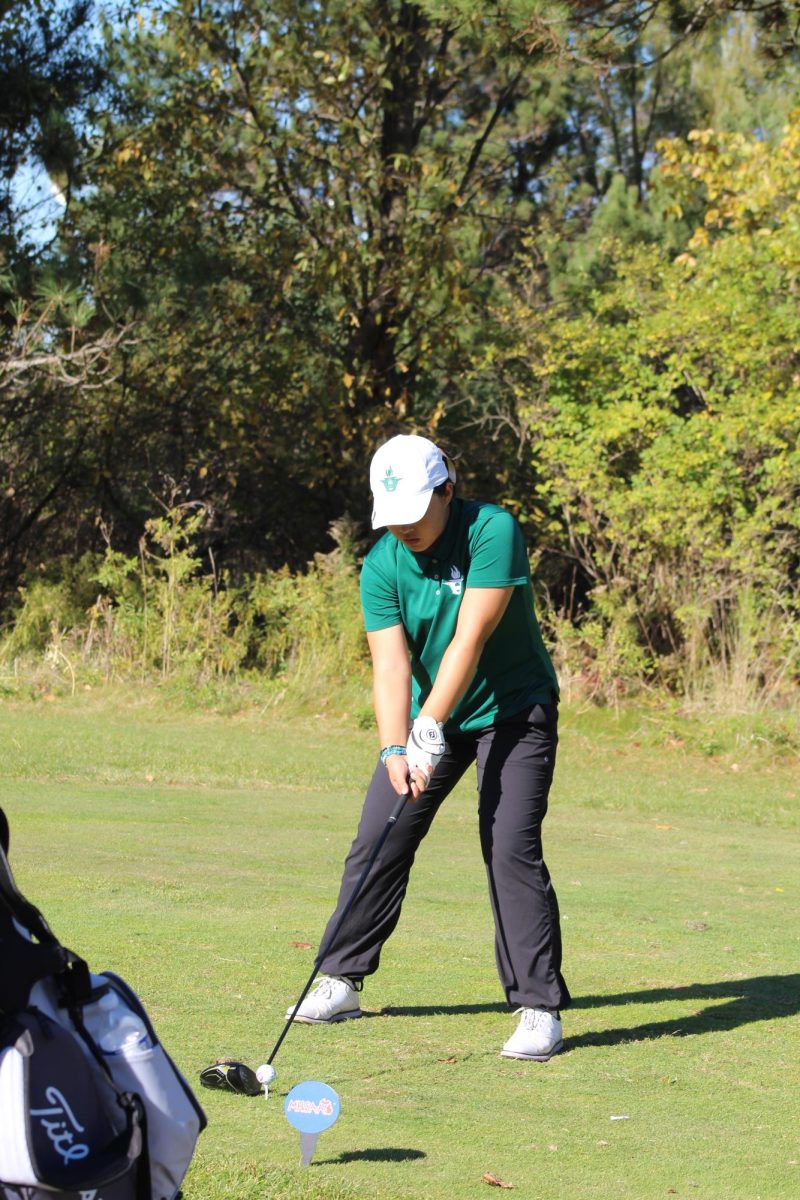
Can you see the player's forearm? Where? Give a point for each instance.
(454, 676)
(391, 694)
(480, 614)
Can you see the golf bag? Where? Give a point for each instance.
(91, 1105)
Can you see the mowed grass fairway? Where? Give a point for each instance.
(198, 856)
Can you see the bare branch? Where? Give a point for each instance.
(86, 366)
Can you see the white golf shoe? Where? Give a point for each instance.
(537, 1037)
(333, 999)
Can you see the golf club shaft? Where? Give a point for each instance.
(376, 849)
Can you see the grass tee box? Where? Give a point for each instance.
(199, 856)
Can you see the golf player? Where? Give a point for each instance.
(460, 675)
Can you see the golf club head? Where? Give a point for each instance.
(228, 1075)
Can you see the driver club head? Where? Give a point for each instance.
(229, 1075)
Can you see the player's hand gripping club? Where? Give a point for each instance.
(424, 749)
(411, 766)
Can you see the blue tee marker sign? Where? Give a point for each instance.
(311, 1107)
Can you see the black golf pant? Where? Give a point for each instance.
(515, 761)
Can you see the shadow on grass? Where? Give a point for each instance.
(385, 1154)
(437, 1010)
(763, 998)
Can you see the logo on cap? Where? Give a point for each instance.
(391, 480)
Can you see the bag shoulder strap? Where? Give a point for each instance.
(26, 913)
(74, 976)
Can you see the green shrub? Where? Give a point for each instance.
(157, 617)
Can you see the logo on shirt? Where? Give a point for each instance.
(390, 481)
(454, 582)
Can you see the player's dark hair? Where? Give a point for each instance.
(441, 488)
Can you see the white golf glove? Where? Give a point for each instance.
(425, 746)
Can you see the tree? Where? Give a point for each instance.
(54, 351)
(664, 424)
(47, 76)
(307, 211)
(301, 205)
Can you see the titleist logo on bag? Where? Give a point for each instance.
(65, 1124)
(61, 1126)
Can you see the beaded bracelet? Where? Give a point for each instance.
(388, 751)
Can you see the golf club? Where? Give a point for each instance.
(266, 1073)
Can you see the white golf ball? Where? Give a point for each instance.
(266, 1073)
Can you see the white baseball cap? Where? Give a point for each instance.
(402, 475)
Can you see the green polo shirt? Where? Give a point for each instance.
(481, 546)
